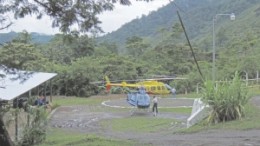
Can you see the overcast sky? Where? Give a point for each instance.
(110, 20)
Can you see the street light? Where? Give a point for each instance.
(232, 17)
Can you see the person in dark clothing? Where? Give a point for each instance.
(40, 101)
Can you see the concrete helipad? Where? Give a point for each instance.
(162, 103)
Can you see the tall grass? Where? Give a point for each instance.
(227, 99)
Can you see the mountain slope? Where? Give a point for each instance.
(36, 37)
(196, 14)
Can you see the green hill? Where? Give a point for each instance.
(36, 37)
(197, 16)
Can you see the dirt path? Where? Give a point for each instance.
(85, 119)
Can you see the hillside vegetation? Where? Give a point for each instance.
(197, 16)
(36, 37)
(148, 46)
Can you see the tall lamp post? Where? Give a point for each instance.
(232, 17)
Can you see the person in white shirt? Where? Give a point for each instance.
(155, 105)
(173, 90)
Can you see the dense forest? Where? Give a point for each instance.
(36, 37)
(147, 46)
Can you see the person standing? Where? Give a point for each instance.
(155, 105)
(173, 90)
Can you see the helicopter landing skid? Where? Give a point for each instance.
(134, 109)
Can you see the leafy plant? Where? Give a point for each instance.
(227, 99)
(35, 131)
(116, 90)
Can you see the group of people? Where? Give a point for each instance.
(41, 100)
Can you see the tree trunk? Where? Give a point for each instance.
(5, 139)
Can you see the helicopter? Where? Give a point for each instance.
(151, 86)
(140, 97)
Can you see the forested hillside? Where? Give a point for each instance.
(152, 45)
(36, 37)
(197, 16)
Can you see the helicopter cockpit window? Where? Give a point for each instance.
(163, 88)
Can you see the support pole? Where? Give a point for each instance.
(246, 79)
(28, 113)
(197, 88)
(213, 53)
(51, 90)
(16, 120)
(257, 76)
(193, 54)
(45, 86)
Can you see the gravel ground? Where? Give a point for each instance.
(85, 119)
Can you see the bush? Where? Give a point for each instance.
(35, 131)
(116, 90)
(227, 99)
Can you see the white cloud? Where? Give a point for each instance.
(31, 24)
(110, 20)
(123, 14)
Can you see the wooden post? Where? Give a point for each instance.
(197, 88)
(246, 79)
(257, 76)
(28, 113)
(38, 90)
(45, 85)
(16, 120)
(51, 90)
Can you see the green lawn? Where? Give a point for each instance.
(250, 121)
(176, 110)
(65, 101)
(138, 124)
(58, 137)
(141, 124)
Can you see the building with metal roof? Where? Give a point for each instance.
(12, 85)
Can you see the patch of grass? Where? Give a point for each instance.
(190, 95)
(57, 137)
(176, 110)
(138, 124)
(65, 101)
(250, 121)
(254, 90)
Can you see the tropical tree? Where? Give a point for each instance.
(65, 14)
(58, 50)
(21, 54)
(112, 47)
(18, 54)
(136, 46)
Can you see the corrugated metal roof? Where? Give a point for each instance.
(11, 88)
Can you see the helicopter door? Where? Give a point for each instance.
(158, 89)
(163, 89)
(148, 88)
(153, 89)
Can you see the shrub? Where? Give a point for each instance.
(227, 99)
(116, 90)
(35, 131)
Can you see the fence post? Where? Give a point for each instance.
(257, 76)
